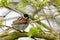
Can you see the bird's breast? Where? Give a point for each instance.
(21, 26)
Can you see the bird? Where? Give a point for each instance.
(21, 23)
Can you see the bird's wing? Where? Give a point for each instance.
(20, 20)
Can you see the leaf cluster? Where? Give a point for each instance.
(33, 2)
(3, 3)
(35, 30)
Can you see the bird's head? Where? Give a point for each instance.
(26, 16)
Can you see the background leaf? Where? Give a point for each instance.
(40, 4)
(35, 30)
(58, 2)
(3, 3)
(1, 23)
(22, 5)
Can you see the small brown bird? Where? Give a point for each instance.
(22, 22)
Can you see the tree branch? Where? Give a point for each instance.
(16, 35)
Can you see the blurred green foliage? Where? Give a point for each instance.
(33, 2)
(58, 2)
(22, 5)
(41, 4)
(1, 23)
(3, 3)
(35, 30)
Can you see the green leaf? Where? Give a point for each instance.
(4, 0)
(3, 3)
(40, 4)
(35, 30)
(58, 2)
(1, 23)
(31, 32)
(22, 5)
(39, 26)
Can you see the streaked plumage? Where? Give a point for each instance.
(22, 22)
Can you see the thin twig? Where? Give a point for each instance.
(47, 20)
(12, 27)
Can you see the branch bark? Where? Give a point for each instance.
(16, 35)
